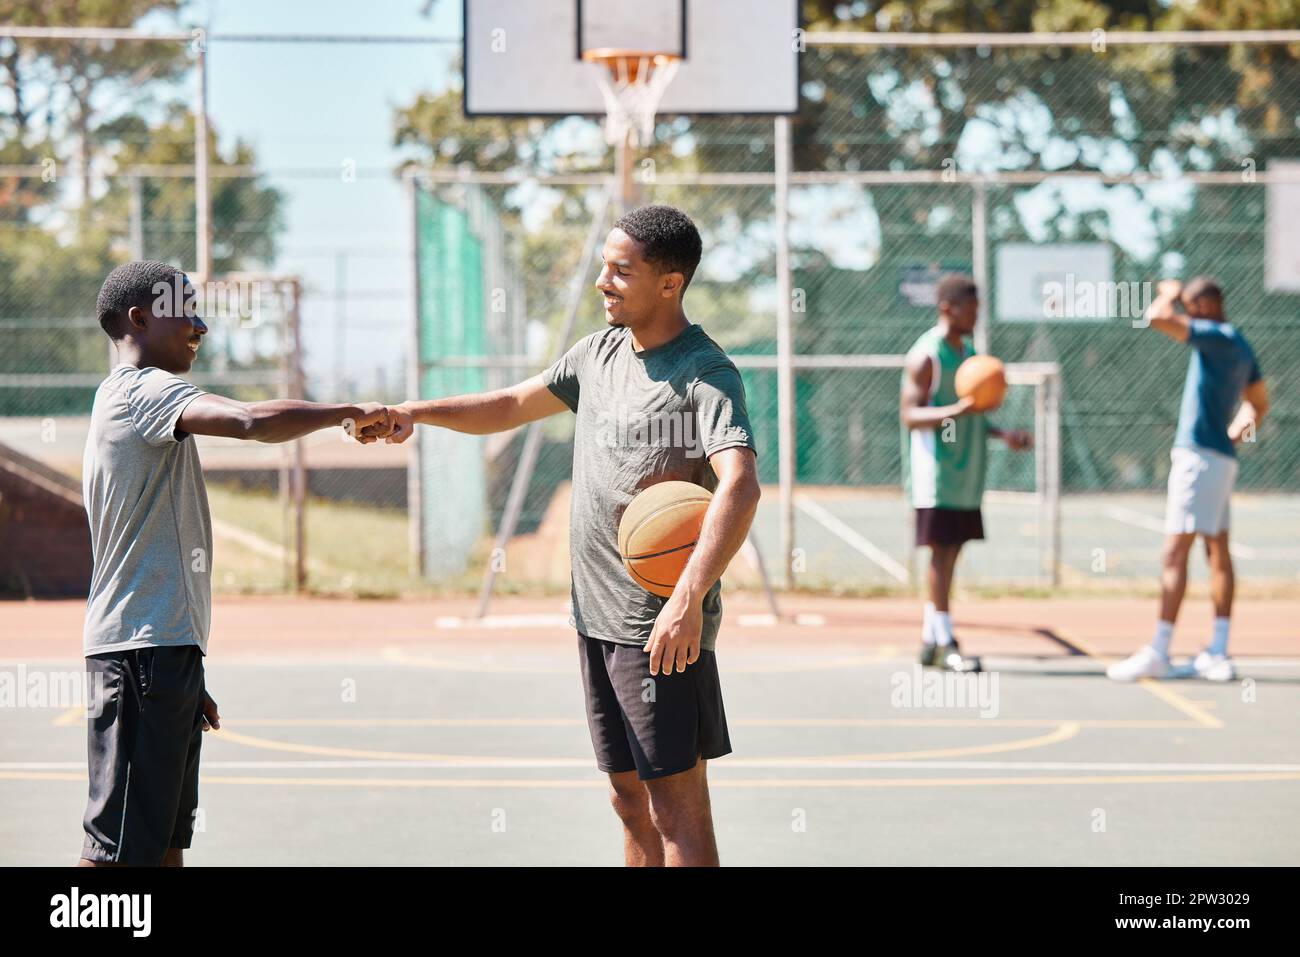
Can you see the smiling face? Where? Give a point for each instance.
(169, 330)
(635, 291)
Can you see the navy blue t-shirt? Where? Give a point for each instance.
(1221, 366)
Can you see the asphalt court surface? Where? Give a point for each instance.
(469, 746)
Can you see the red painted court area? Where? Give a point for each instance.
(285, 627)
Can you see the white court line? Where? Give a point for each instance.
(854, 540)
(723, 764)
(760, 620)
(540, 620)
(1152, 524)
(734, 657)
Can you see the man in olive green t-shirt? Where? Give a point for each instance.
(944, 458)
(656, 399)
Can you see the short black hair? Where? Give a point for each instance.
(667, 237)
(954, 287)
(131, 284)
(1203, 286)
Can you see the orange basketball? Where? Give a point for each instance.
(658, 532)
(984, 379)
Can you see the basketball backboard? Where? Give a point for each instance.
(524, 57)
(1282, 230)
(1037, 281)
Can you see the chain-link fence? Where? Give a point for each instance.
(1053, 173)
(1068, 180)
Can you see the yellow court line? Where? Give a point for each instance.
(328, 751)
(1001, 782)
(404, 722)
(72, 716)
(717, 782)
(1121, 723)
(1063, 732)
(826, 783)
(1170, 697)
(1173, 698)
(397, 655)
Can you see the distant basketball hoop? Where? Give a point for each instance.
(633, 83)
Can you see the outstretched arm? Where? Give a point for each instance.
(278, 420)
(476, 413)
(675, 639)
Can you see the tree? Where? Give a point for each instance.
(87, 85)
(113, 106)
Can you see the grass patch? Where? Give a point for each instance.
(350, 548)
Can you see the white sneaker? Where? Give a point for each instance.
(1214, 667)
(1146, 662)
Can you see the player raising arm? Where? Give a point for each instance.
(1222, 376)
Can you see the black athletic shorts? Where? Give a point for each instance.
(948, 526)
(656, 725)
(145, 730)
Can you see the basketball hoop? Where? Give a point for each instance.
(633, 83)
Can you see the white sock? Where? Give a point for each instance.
(1164, 634)
(1219, 643)
(927, 624)
(943, 628)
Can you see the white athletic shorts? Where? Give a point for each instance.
(1200, 485)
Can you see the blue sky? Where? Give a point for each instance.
(318, 106)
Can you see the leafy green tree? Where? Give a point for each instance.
(101, 108)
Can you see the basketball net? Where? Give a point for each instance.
(633, 84)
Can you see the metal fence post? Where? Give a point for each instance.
(202, 197)
(785, 396)
(1053, 489)
(414, 370)
(980, 262)
(297, 391)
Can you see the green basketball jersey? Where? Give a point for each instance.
(944, 467)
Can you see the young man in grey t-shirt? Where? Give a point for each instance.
(149, 609)
(656, 399)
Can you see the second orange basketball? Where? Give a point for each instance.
(984, 379)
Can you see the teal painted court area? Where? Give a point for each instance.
(388, 733)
